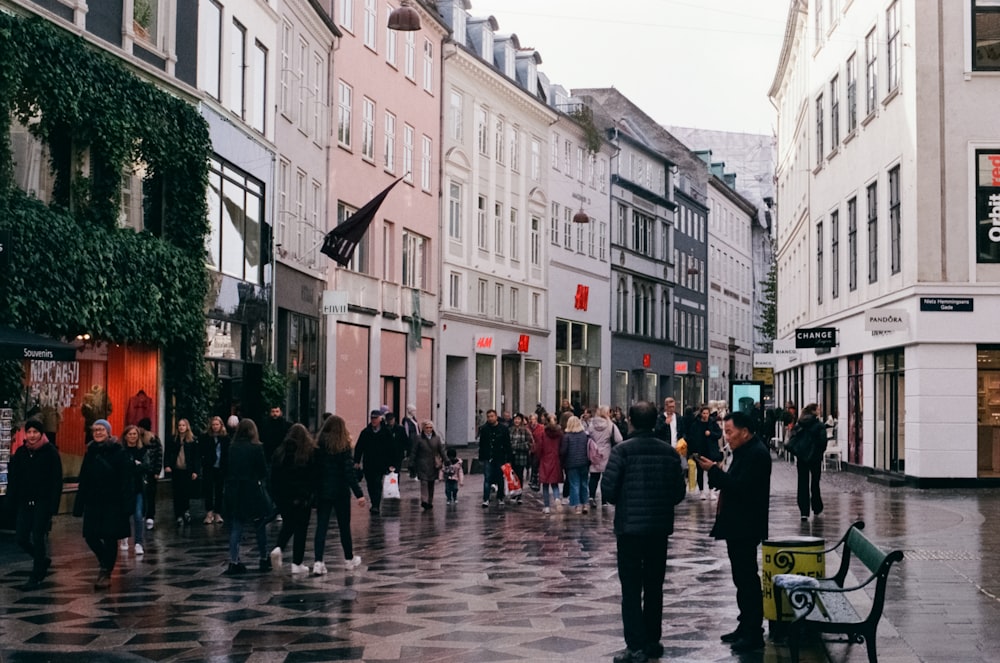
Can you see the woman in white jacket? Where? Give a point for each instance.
(604, 434)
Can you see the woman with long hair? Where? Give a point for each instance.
(182, 464)
(244, 495)
(134, 444)
(214, 446)
(294, 480)
(573, 454)
(337, 481)
(550, 472)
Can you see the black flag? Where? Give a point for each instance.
(340, 242)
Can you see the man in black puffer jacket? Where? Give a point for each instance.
(644, 480)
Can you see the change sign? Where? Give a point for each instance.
(816, 337)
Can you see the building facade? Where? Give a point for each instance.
(885, 231)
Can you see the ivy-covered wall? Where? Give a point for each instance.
(72, 268)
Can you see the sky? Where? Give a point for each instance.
(693, 63)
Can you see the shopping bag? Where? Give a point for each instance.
(692, 474)
(390, 486)
(513, 483)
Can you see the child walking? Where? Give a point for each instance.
(453, 477)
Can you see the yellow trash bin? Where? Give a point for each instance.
(812, 564)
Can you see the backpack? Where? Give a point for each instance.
(594, 454)
(450, 471)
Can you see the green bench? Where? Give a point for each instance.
(823, 604)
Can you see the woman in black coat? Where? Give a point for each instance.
(702, 436)
(338, 481)
(245, 500)
(294, 481)
(105, 498)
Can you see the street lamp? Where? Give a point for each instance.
(404, 18)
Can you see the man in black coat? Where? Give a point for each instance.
(494, 451)
(272, 431)
(35, 489)
(376, 454)
(741, 521)
(644, 480)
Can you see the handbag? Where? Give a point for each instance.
(513, 483)
(266, 508)
(390, 486)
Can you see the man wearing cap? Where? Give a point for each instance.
(105, 498)
(35, 488)
(376, 455)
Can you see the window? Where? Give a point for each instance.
(498, 140)
(819, 262)
(834, 254)
(483, 130)
(892, 46)
(368, 129)
(235, 215)
(482, 227)
(146, 21)
(819, 130)
(408, 153)
(209, 47)
(315, 214)
(259, 119)
(414, 260)
(985, 32)
(302, 62)
(852, 93)
(455, 210)
(515, 152)
(819, 21)
(535, 242)
(498, 228)
(580, 227)
(873, 232)
(428, 65)
(554, 151)
(567, 157)
(388, 252)
(642, 233)
(454, 290)
(602, 176)
(344, 95)
(852, 244)
(621, 222)
(284, 183)
(515, 254)
(409, 46)
(871, 72)
(536, 159)
(300, 215)
(621, 306)
(455, 115)
(590, 239)
(361, 260)
(237, 69)
(579, 164)
(554, 228)
(498, 300)
(536, 308)
(567, 228)
(481, 297)
(834, 112)
(895, 229)
(389, 148)
(347, 14)
(371, 24)
(425, 163)
(318, 80)
(515, 294)
(602, 241)
(390, 41)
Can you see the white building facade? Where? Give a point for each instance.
(885, 232)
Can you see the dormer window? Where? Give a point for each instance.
(508, 59)
(458, 25)
(487, 53)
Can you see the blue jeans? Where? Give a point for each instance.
(545, 492)
(579, 491)
(236, 536)
(450, 489)
(138, 518)
(491, 475)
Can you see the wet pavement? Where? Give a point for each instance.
(463, 583)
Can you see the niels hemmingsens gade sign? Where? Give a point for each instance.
(816, 337)
(987, 206)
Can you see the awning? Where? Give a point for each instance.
(17, 344)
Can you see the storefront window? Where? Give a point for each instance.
(532, 384)
(890, 417)
(827, 374)
(988, 420)
(855, 411)
(485, 386)
(578, 363)
(619, 390)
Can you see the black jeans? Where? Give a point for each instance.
(341, 506)
(106, 551)
(211, 485)
(808, 491)
(374, 482)
(294, 523)
(642, 564)
(593, 483)
(32, 533)
(149, 503)
(183, 487)
(749, 597)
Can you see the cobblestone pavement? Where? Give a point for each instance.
(463, 583)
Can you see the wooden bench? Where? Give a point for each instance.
(823, 604)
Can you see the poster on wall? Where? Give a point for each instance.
(745, 395)
(988, 206)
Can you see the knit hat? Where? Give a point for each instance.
(375, 413)
(35, 424)
(105, 423)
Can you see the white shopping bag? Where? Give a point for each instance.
(390, 486)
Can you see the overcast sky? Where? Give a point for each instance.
(695, 63)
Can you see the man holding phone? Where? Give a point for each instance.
(741, 520)
(644, 480)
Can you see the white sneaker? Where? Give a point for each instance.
(123, 544)
(352, 563)
(149, 523)
(138, 549)
(209, 518)
(319, 569)
(546, 510)
(218, 519)
(276, 558)
(714, 494)
(299, 568)
(704, 496)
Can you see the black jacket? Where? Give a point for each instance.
(745, 493)
(294, 485)
(272, 433)
(244, 494)
(106, 496)
(35, 478)
(337, 476)
(494, 444)
(706, 445)
(376, 451)
(207, 444)
(808, 439)
(192, 456)
(644, 480)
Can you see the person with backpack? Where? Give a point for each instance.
(603, 436)
(807, 443)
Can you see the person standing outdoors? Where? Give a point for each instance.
(521, 441)
(182, 463)
(35, 488)
(576, 464)
(644, 480)
(809, 442)
(426, 460)
(273, 430)
(494, 451)
(139, 454)
(295, 477)
(105, 497)
(376, 455)
(703, 435)
(151, 442)
(214, 448)
(337, 482)
(668, 424)
(741, 520)
(245, 500)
